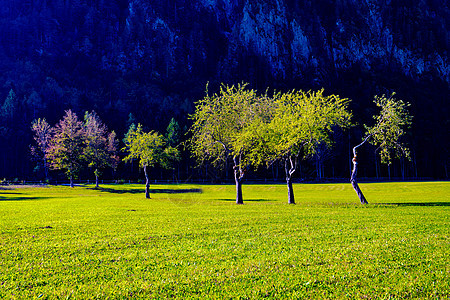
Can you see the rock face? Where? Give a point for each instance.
(203, 36)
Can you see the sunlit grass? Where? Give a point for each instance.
(58, 242)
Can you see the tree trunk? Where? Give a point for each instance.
(355, 186)
(291, 198)
(71, 181)
(353, 181)
(96, 179)
(289, 171)
(238, 178)
(147, 184)
(239, 199)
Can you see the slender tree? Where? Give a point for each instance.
(389, 128)
(101, 146)
(222, 129)
(303, 123)
(173, 133)
(150, 148)
(66, 148)
(42, 136)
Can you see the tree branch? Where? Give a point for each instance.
(362, 143)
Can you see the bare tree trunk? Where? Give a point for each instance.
(238, 178)
(289, 172)
(71, 181)
(355, 186)
(291, 198)
(96, 178)
(147, 184)
(239, 199)
(353, 181)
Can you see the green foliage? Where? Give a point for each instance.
(149, 148)
(303, 121)
(389, 128)
(58, 243)
(10, 106)
(173, 133)
(226, 123)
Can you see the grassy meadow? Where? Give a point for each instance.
(192, 241)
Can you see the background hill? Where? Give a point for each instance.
(149, 61)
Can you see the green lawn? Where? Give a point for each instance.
(79, 243)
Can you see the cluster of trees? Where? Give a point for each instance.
(248, 129)
(235, 127)
(72, 144)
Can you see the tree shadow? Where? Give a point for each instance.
(19, 198)
(152, 191)
(417, 204)
(247, 200)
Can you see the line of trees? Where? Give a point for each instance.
(73, 144)
(249, 129)
(236, 126)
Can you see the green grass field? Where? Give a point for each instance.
(63, 243)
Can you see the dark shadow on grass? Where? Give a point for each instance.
(247, 200)
(417, 204)
(21, 198)
(152, 191)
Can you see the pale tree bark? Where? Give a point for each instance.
(147, 184)
(238, 178)
(96, 178)
(353, 181)
(290, 166)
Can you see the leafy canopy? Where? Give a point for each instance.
(101, 146)
(150, 148)
(304, 120)
(224, 125)
(66, 148)
(390, 127)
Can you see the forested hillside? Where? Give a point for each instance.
(148, 61)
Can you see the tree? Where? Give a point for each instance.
(10, 106)
(150, 148)
(101, 146)
(66, 150)
(42, 136)
(302, 124)
(173, 133)
(224, 127)
(385, 134)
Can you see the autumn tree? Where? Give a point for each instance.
(66, 147)
(389, 128)
(42, 136)
(149, 148)
(100, 149)
(224, 127)
(303, 122)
